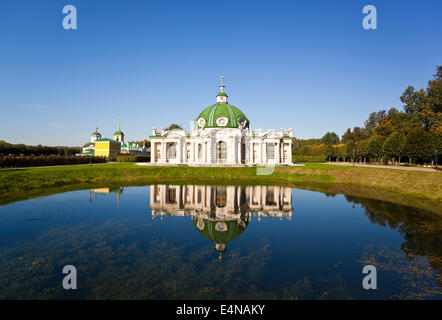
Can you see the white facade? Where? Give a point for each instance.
(221, 143)
(230, 146)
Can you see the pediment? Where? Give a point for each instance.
(272, 135)
(175, 134)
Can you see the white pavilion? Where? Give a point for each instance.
(221, 136)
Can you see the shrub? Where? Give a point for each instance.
(297, 159)
(129, 158)
(38, 161)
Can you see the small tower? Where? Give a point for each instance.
(119, 135)
(95, 135)
(221, 97)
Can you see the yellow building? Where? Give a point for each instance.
(107, 147)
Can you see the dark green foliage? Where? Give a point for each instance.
(394, 145)
(38, 161)
(313, 159)
(375, 146)
(123, 158)
(420, 143)
(330, 138)
(25, 150)
(174, 126)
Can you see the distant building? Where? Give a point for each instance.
(89, 148)
(119, 135)
(106, 147)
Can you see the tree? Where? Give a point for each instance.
(351, 148)
(330, 151)
(330, 138)
(434, 91)
(347, 136)
(375, 146)
(361, 149)
(420, 143)
(394, 145)
(374, 119)
(174, 126)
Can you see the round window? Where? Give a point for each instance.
(222, 121)
(201, 122)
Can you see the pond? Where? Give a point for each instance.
(217, 242)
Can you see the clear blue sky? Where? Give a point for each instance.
(306, 65)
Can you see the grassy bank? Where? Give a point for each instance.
(424, 185)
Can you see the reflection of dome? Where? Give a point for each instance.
(220, 232)
(222, 110)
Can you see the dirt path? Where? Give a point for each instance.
(383, 166)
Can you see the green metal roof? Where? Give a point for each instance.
(96, 133)
(118, 133)
(87, 144)
(213, 112)
(222, 94)
(107, 139)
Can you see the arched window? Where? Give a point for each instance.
(221, 152)
(221, 197)
(270, 197)
(270, 151)
(200, 151)
(171, 151)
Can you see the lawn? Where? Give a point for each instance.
(418, 184)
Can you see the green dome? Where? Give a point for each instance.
(212, 113)
(209, 230)
(222, 93)
(118, 133)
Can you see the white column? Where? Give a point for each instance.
(290, 152)
(277, 153)
(209, 151)
(263, 153)
(246, 153)
(179, 151)
(233, 150)
(238, 151)
(162, 152)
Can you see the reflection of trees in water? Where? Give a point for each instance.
(422, 232)
(421, 229)
(416, 278)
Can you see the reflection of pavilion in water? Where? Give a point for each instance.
(221, 213)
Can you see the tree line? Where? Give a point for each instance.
(413, 133)
(7, 149)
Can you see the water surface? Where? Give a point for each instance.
(217, 242)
